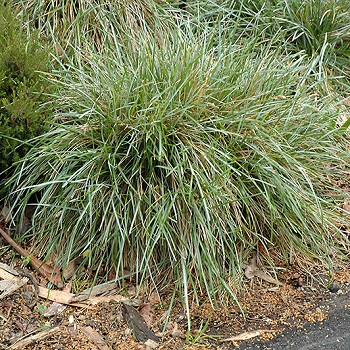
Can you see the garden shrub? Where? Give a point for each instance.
(22, 89)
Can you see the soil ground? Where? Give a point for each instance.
(273, 311)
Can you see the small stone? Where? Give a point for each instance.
(169, 326)
(334, 288)
(47, 325)
(181, 316)
(128, 331)
(71, 319)
(151, 344)
(176, 333)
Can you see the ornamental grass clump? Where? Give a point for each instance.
(170, 163)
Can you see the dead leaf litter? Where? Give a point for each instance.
(104, 318)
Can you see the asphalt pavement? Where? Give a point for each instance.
(333, 333)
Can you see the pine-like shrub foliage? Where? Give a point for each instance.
(22, 57)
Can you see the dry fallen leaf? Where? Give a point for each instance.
(346, 206)
(70, 269)
(56, 308)
(176, 332)
(5, 214)
(154, 299)
(95, 337)
(7, 287)
(101, 289)
(251, 270)
(147, 313)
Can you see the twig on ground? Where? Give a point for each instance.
(247, 335)
(9, 286)
(61, 296)
(51, 274)
(34, 338)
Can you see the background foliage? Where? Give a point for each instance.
(21, 88)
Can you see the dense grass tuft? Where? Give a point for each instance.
(172, 162)
(186, 138)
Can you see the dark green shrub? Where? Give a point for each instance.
(21, 88)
